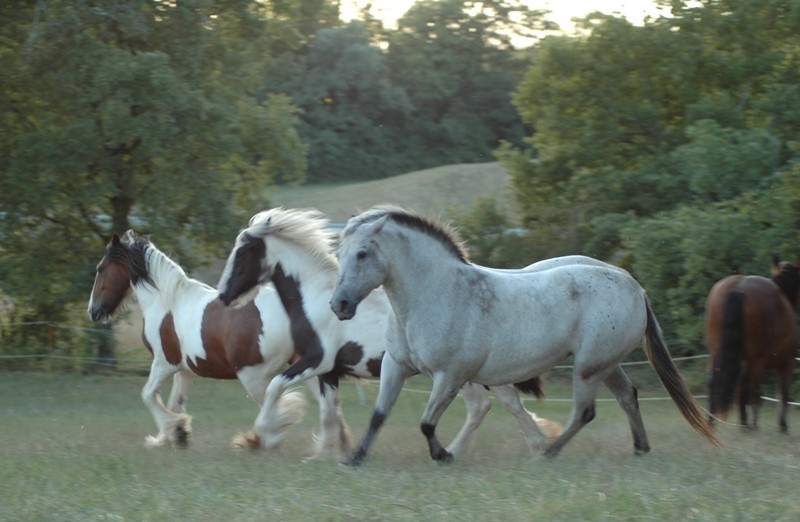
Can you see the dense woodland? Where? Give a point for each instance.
(668, 148)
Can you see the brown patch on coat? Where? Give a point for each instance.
(230, 340)
(169, 340)
(144, 338)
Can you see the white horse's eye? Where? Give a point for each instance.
(362, 255)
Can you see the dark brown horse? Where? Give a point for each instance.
(751, 328)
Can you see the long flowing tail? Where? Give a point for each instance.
(659, 357)
(726, 365)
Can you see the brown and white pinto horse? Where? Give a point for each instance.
(293, 249)
(190, 332)
(750, 328)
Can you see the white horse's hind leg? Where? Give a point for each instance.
(172, 427)
(583, 410)
(179, 394)
(478, 405)
(510, 400)
(334, 433)
(628, 399)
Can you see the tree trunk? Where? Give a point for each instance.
(106, 361)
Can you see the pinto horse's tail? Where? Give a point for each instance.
(726, 365)
(657, 353)
(531, 387)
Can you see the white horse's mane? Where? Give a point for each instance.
(307, 228)
(167, 275)
(441, 231)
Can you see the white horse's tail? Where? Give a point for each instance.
(657, 353)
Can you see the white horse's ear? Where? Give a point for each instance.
(379, 224)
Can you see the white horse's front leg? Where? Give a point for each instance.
(444, 390)
(478, 405)
(391, 383)
(172, 427)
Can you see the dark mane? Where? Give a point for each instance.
(788, 280)
(130, 251)
(442, 232)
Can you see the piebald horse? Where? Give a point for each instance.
(456, 322)
(751, 327)
(190, 332)
(293, 249)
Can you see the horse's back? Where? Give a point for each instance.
(596, 313)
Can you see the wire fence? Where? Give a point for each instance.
(138, 361)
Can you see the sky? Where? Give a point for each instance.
(561, 10)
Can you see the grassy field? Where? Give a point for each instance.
(72, 449)
(432, 192)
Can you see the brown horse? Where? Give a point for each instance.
(751, 328)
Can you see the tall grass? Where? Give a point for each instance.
(72, 449)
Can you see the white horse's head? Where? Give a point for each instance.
(245, 271)
(362, 264)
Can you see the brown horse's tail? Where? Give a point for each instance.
(658, 355)
(726, 366)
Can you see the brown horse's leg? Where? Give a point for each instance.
(751, 395)
(785, 380)
(744, 399)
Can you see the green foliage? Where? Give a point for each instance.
(485, 229)
(129, 112)
(453, 59)
(668, 148)
(353, 115)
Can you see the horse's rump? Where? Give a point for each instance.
(726, 361)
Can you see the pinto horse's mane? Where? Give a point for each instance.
(788, 280)
(307, 228)
(442, 232)
(150, 265)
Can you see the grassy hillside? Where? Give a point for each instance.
(431, 192)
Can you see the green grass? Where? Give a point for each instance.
(72, 449)
(432, 192)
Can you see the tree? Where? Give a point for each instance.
(669, 148)
(353, 115)
(122, 109)
(456, 61)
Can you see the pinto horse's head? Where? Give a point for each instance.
(245, 271)
(112, 280)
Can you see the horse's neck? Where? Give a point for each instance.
(300, 276)
(790, 287)
(415, 277)
(170, 283)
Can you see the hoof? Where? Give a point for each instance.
(444, 457)
(640, 452)
(181, 432)
(155, 442)
(550, 453)
(181, 437)
(249, 440)
(355, 460)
